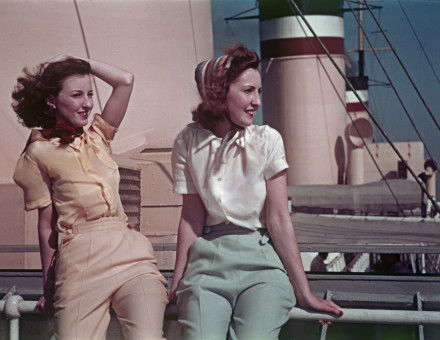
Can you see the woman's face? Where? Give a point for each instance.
(243, 98)
(74, 102)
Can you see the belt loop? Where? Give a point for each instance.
(264, 236)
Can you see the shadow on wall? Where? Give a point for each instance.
(340, 159)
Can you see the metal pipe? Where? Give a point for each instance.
(14, 330)
(376, 316)
(371, 316)
(20, 307)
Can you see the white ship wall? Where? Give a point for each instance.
(160, 41)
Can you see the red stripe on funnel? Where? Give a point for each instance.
(355, 107)
(300, 46)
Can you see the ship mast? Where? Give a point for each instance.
(361, 43)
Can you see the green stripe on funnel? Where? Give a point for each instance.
(270, 9)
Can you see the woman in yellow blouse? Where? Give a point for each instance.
(91, 259)
(238, 266)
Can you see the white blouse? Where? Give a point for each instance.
(230, 178)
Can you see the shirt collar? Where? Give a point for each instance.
(75, 144)
(206, 137)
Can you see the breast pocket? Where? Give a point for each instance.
(105, 158)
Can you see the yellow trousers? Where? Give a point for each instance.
(104, 263)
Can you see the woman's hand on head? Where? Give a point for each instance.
(59, 57)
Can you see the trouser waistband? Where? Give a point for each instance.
(233, 229)
(104, 223)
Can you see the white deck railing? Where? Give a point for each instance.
(13, 306)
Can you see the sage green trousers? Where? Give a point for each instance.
(234, 287)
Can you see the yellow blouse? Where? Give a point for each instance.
(80, 178)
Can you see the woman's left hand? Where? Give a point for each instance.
(316, 304)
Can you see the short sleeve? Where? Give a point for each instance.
(183, 183)
(102, 128)
(34, 182)
(276, 159)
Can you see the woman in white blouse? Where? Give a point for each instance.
(238, 266)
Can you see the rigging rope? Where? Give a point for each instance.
(419, 42)
(390, 81)
(295, 7)
(403, 66)
(193, 32)
(87, 50)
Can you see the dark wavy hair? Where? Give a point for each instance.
(32, 90)
(213, 108)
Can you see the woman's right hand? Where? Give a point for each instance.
(45, 306)
(172, 292)
(60, 57)
(172, 297)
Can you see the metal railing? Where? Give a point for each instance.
(13, 307)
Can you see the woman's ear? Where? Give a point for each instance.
(50, 101)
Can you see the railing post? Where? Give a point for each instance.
(14, 329)
(12, 313)
(324, 327)
(419, 308)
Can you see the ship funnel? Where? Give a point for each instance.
(304, 96)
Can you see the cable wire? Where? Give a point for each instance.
(399, 98)
(403, 66)
(87, 50)
(419, 42)
(193, 31)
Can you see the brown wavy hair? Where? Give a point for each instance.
(32, 90)
(213, 107)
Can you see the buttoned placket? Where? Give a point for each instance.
(222, 150)
(217, 172)
(82, 147)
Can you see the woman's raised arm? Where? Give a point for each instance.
(120, 80)
(122, 83)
